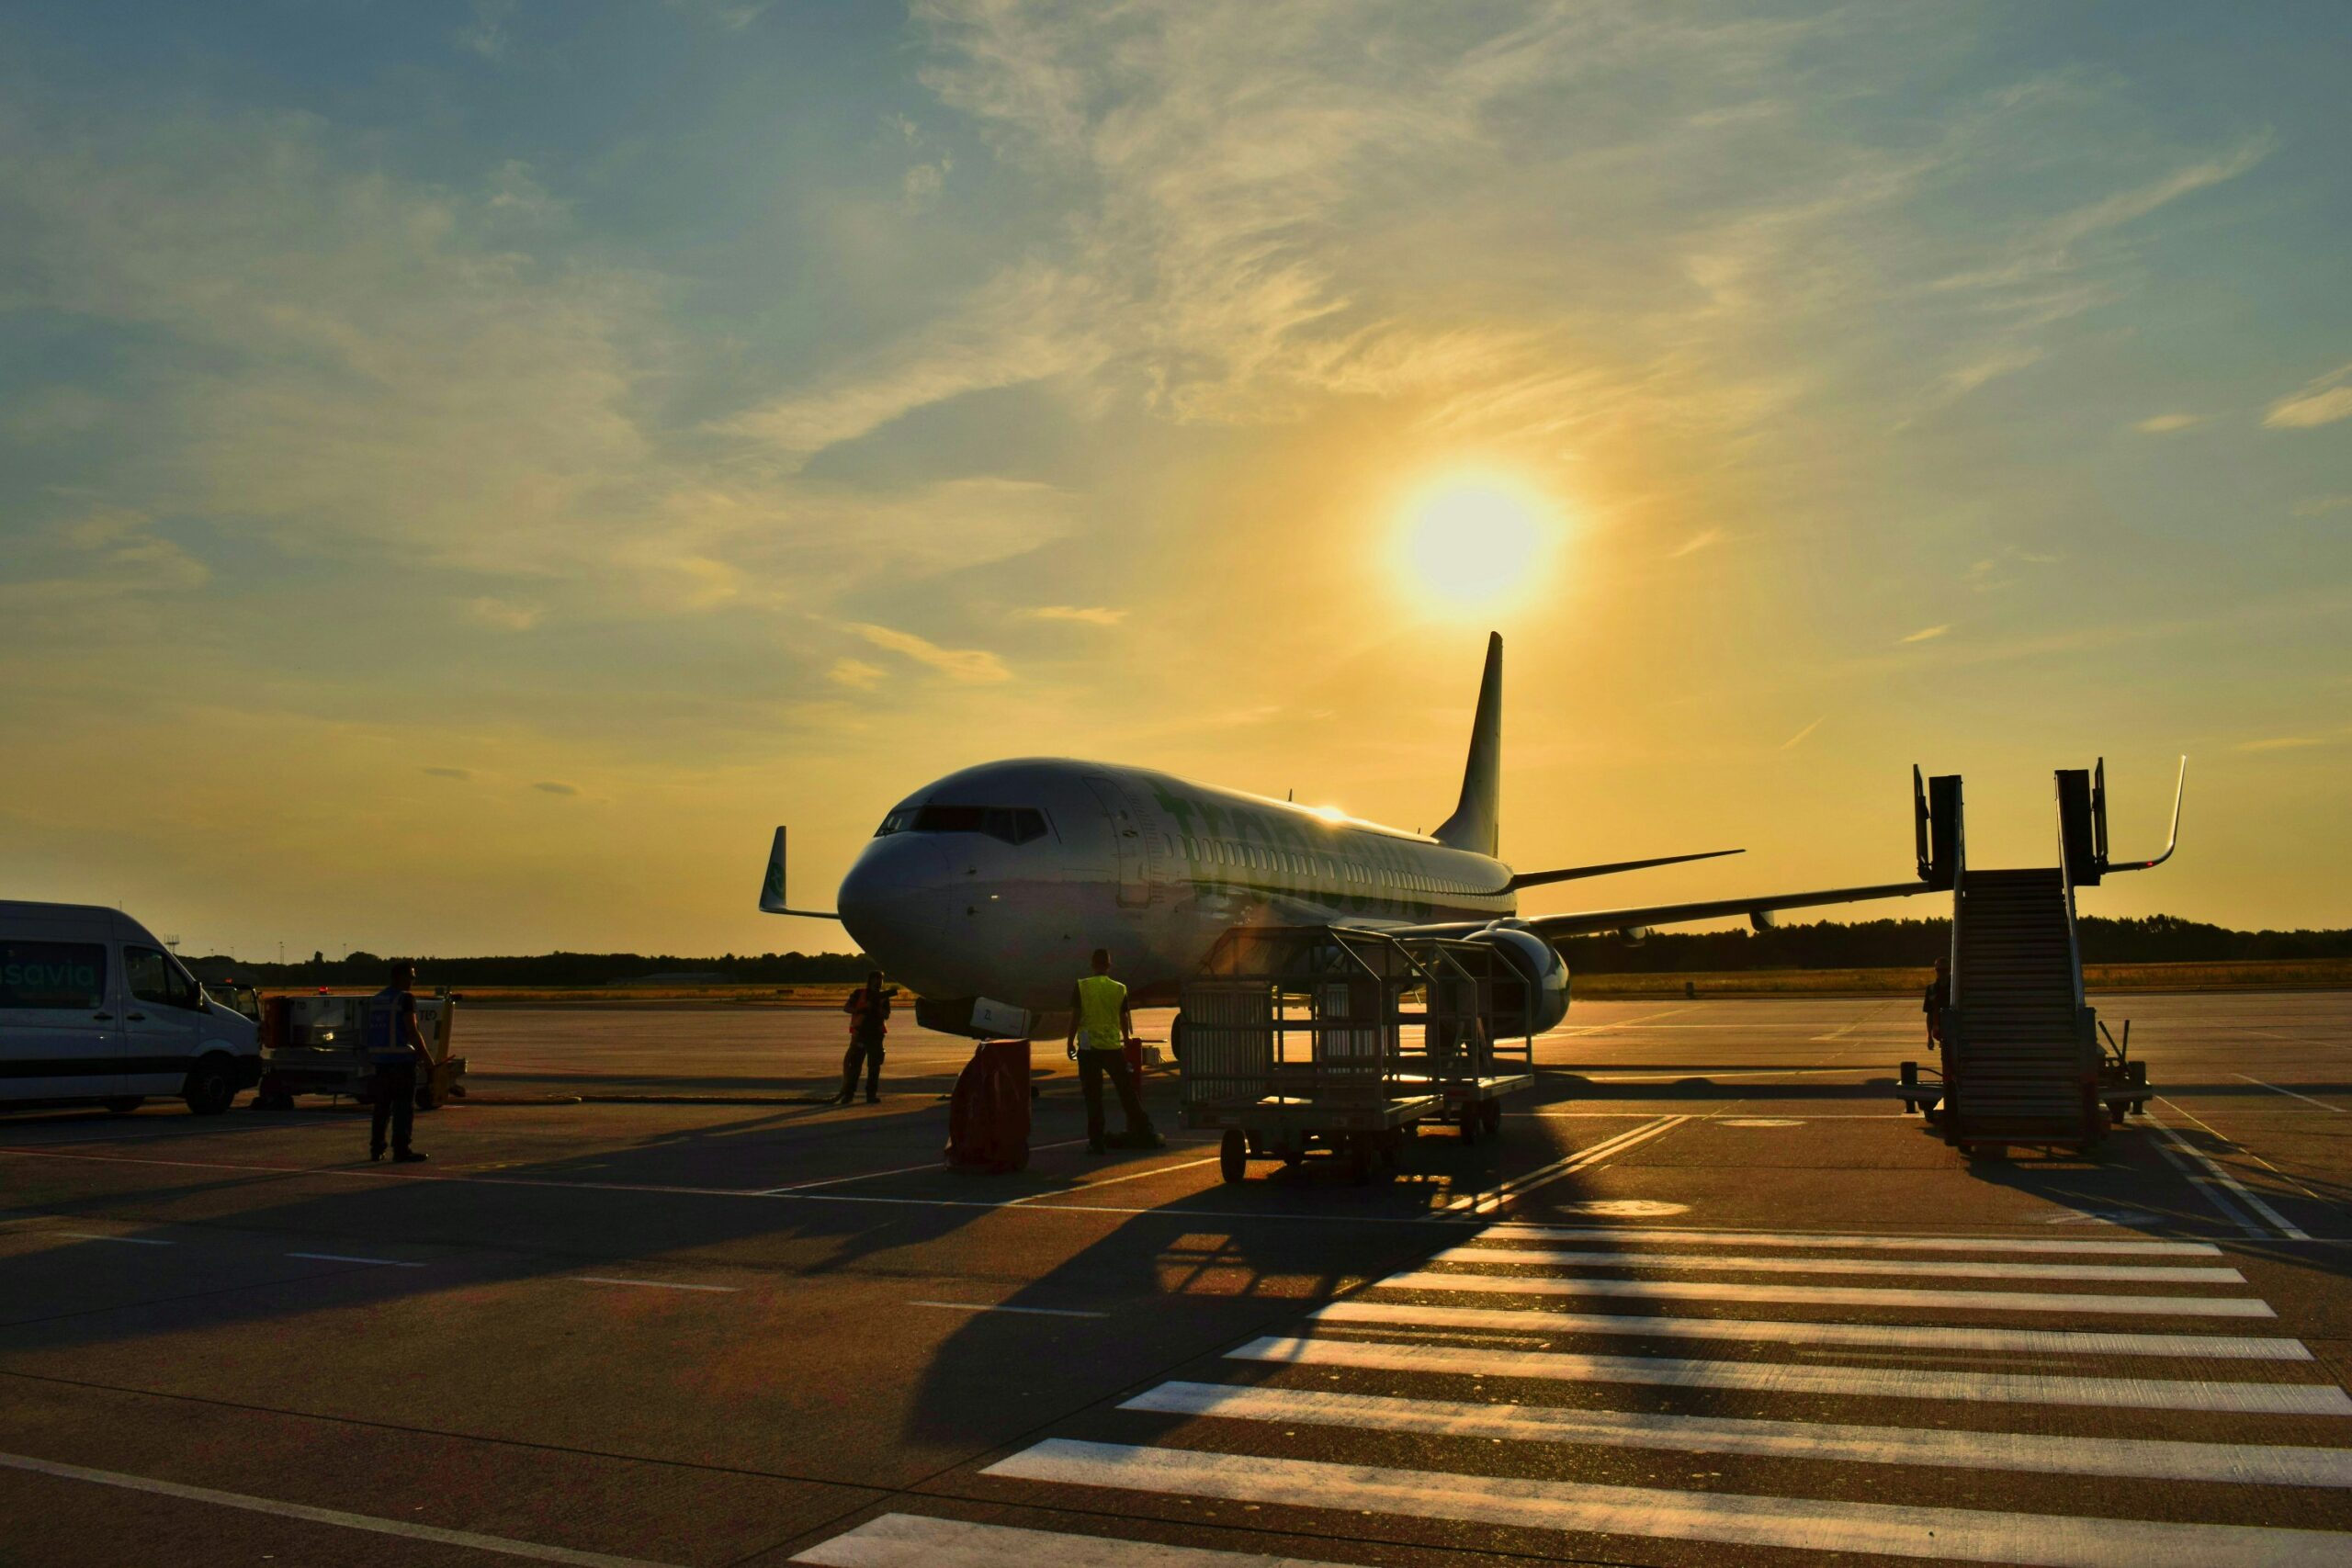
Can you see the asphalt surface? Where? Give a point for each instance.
(1711, 1298)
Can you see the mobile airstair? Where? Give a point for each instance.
(2024, 1059)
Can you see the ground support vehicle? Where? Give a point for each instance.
(1306, 1037)
(317, 1044)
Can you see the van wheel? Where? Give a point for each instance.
(211, 1086)
(123, 1104)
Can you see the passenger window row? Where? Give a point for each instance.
(1252, 857)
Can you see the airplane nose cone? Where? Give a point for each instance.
(890, 902)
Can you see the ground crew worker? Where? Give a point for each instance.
(396, 1047)
(1100, 1028)
(869, 1020)
(1939, 998)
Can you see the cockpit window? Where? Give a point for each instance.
(1013, 824)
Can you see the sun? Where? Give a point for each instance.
(1472, 542)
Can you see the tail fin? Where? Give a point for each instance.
(1477, 822)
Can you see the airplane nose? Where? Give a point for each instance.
(890, 901)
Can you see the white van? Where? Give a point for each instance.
(92, 1007)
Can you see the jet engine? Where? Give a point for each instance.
(1539, 963)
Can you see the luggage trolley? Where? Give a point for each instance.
(1474, 1043)
(1293, 1040)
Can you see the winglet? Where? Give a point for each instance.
(772, 899)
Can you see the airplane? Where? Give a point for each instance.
(985, 891)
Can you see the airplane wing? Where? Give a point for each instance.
(1586, 922)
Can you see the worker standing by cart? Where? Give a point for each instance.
(396, 1046)
(1100, 1028)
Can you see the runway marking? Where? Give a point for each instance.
(899, 1170)
(1747, 1330)
(1106, 1182)
(1786, 1377)
(1836, 1295)
(346, 1257)
(1515, 1228)
(2174, 1141)
(126, 1240)
(501, 1544)
(1031, 1311)
(1567, 1165)
(2305, 1098)
(913, 1541)
(1893, 1530)
(1954, 1268)
(1723, 1073)
(2238, 1464)
(649, 1284)
(1618, 1023)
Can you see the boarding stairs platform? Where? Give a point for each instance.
(2024, 1059)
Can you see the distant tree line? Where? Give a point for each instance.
(1882, 945)
(548, 969)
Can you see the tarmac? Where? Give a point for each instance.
(1710, 1298)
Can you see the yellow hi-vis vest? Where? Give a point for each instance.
(1099, 996)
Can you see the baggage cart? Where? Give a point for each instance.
(1471, 1042)
(1293, 1040)
(317, 1044)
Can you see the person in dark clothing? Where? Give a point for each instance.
(1937, 998)
(396, 1046)
(869, 1020)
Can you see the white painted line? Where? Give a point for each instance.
(1939, 1267)
(1032, 1311)
(2305, 1098)
(1748, 1330)
(2061, 1302)
(1709, 1075)
(649, 1284)
(911, 1541)
(126, 1240)
(346, 1257)
(1106, 1182)
(404, 1527)
(1808, 1379)
(2246, 1464)
(1620, 1023)
(1568, 1164)
(930, 1165)
(1964, 1535)
(1515, 1230)
(2239, 1189)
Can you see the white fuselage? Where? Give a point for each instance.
(999, 880)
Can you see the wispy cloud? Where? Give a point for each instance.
(970, 666)
(505, 614)
(1702, 539)
(2166, 424)
(1925, 634)
(2279, 743)
(1791, 743)
(1093, 616)
(2320, 506)
(855, 674)
(448, 773)
(2321, 402)
(550, 787)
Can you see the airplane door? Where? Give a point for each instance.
(1127, 833)
(60, 1028)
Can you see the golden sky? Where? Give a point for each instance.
(468, 472)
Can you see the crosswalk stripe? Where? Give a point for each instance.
(1514, 1230)
(1949, 1534)
(1784, 1377)
(1934, 1337)
(2140, 1458)
(911, 1540)
(1939, 1267)
(2062, 1302)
